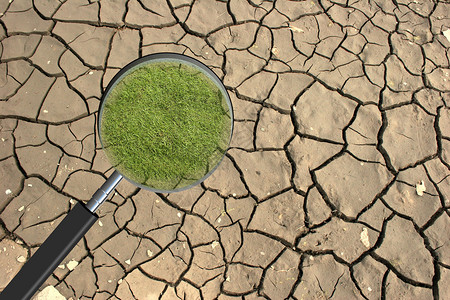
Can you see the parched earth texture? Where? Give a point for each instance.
(336, 184)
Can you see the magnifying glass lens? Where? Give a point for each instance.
(165, 124)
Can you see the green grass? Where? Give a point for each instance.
(165, 125)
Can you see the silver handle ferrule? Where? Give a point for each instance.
(103, 192)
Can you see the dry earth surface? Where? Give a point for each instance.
(337, 182)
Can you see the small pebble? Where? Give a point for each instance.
(234, 194)
(128, 262)
(45, 111)
(30, 185)
(369, 289)
(21, 259)
(420, 188)
(72, 201)
(21, 208)
(90, 73)
(19, 242)
(214, 244)
(109, 281)
(62, 267)
(71, 265)
(179, 215)
(149, 253)
(100, 223)
(119, 281)
(8, 191)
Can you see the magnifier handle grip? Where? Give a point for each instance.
(50, 254)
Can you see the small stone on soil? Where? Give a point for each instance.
(365, 238)
(71, 265)
(420, 188)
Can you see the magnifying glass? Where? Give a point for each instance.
(165, 123)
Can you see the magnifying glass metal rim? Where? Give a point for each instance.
(173, 57)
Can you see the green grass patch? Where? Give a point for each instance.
(165, 125)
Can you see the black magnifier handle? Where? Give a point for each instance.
(58, 245)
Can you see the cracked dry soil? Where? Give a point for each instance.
(337, 182)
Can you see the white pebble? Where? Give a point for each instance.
(214, 244)
(90, 73)
(447, 34)
(45, 111)
(149, 253)
(109, 281)
(48, 62)
(369, 289)
(30, 185)
(420, 188)
(62, 267)
(21, 208)
(100, 223)
(21, 259)
(234, 195)
(72, 201)
(119, 281)
(72, 265)
(8, 191)
(364, 237)
(179, 215)
(128, 262)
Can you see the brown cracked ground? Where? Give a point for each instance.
(337, 182)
